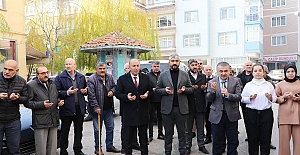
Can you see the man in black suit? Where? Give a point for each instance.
(174, 85)
(197, 107)
(133, 90)
(225, 93)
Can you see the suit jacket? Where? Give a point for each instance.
(165, 80)
(231, 103)
(134, 113)
(197, 98)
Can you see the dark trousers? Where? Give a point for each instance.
(208, 123)
(66, 122)
(12, 132)
(124, 136)
(175, 117)
(155, 109)
(259, 124)
(129, 130)
(199, 117)
(225, 127)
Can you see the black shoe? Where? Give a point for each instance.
(136, 147)
(188, 151)
(150, 139)
(162, 137)
(193, 134)
(113, 149)
(122, 151)
(207, 141)
(246, 139)
(203, 149)
(80, 153)
(272, 147)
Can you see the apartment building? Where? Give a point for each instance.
(213, 31)
(12, 45)
(281, 37)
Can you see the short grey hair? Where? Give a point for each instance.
(156, 62)
(223, 64)
(174, 56)
(127, 63)
(191, 61)
(100, 64)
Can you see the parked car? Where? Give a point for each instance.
(27, 143)
(276, 75)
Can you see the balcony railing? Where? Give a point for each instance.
(155, 4)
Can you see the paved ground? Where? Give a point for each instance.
(156, 146)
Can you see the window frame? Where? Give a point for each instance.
(227, 13)
(228, 35)
(274, 3)
(252, 32)
(190, 40)
(278, 23)
(168, 40)
(191, 15)
(168, 17)
(281, 42)
(3, 4)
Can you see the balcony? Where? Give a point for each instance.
(156, 5)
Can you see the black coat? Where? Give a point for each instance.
(153, 81)
(134, 113)
(196, 100)
(242, 76)
(43, 117)
(9, 109)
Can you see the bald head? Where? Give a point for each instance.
(208, 70)
(248, 67)
(70, 65)
(126, 68)
(134, 66)
(10, 69)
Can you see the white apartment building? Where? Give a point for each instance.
(211, 30)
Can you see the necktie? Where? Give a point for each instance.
(223, 84)
(135, 82)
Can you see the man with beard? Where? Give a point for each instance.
(200, 65)
(43, 100)
(133, 89)
(13, 91)
(155, 102)
(174, 85)
(197, 107)
(101, 89)
(72, 88)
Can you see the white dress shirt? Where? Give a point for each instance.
(259, 87)
(137, 78)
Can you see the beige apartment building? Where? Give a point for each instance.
(281, 37)
(12, 45)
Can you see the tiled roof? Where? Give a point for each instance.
(115, 39)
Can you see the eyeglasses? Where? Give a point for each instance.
(200, 63)
(174, 60)
(44, 73)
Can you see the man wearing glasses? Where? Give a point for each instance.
(71, 87)
(200, 65)
(174, 85)
(43, 100)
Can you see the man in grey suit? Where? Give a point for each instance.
(224, 92)
(174, 85)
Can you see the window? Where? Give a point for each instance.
(164, 21)
(253, 14)
(227, 38)
(191, 40)
(166, 42)
(278, 21)
(2, 4)
(278, 40)
(191, 16)
(227, 13)
(252, 33)
(277, 3)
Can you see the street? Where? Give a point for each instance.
(156, 147)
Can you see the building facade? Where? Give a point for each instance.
(12, 44)
(213, 31)
(281, 37)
